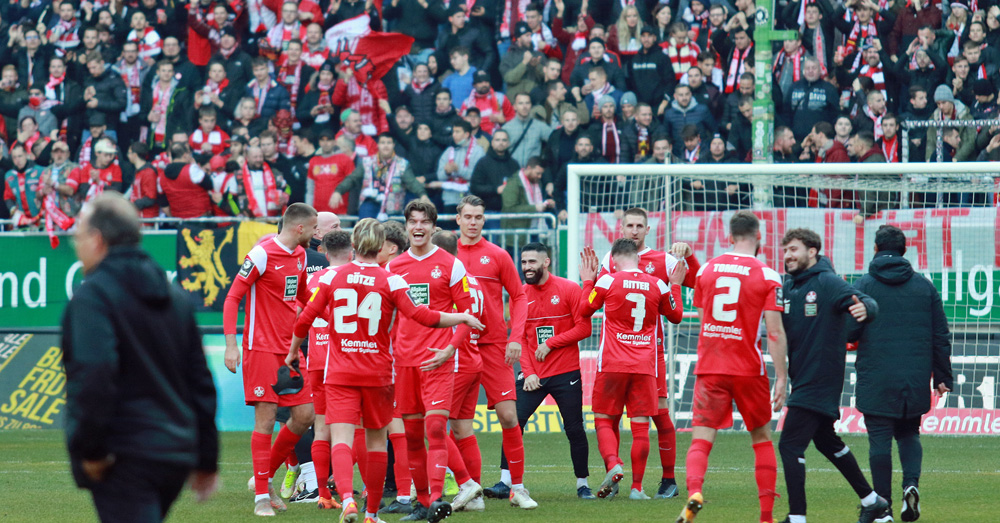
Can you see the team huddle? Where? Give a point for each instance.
(401, 339)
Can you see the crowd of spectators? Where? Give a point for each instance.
(238, 108)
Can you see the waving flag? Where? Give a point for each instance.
(369, 54)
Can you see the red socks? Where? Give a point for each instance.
(640, 452)
(473, 459)
(343, 470)
(321, 462)
(607, 443)
(513, 448)
(292, 460)
(418, 458)
(401, 466)
(437, 452)
(260, 451)
(666, 439)
(284, 444)
(456, 462)
(360, 451)
(697, 464)
(375, 478)
(766, 474)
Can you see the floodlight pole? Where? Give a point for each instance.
(763, 104)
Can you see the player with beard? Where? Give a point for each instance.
(635, 227)
(733, 291)
(494, 269)
(360, 299)
(425, 377)
(626, 364)
(274, 274)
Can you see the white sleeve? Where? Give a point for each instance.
(457, 272)
(397, 282)
(771, 274)
(259, 258)
(664, 288)
(605, 281)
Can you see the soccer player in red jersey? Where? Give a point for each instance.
(363, 299)
(495, 271)
(550, 362)
(424, 382)
(633, 301)
(274, 275)
(733, 292)
(468, 370)
(337, 245)
(635, 226)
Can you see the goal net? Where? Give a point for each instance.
(948, 212)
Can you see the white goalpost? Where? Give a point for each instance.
(948, 211)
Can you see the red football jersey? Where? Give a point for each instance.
(633, 302)
(437, 280)
(327, 172)
(555, 317)
(733, 291)
(275, 277)
(495, 270)
(656, 263)
(467, 357)
(82, 174)
(361, 299)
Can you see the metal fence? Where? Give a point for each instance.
(939, 126)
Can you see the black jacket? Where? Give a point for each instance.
(815, 319)
(651, 75)
(905, 346)
(417, 21)
(137, 381)
(111, 96)
(238, 68)
(492, 171)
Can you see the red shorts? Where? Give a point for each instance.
(466, 396)
(372, 405)
(260, 371)
(615, 390)
(418, 392)
(661, 376)
(498, 377)
(319, 392)
(714, 395)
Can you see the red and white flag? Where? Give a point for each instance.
(369, 54)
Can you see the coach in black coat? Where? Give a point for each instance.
(898, 355)
(140, 400)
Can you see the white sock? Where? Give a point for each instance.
(369, 515)
(403, 499)
(293, 468)
(270, 481)
(505, 476)
(869, 500)
(468, 484)
(581, 482)
(259, 497)
(449, 471)
(517, 486)
(347, 500)
(796, 519)
(308, 476)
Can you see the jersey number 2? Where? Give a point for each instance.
(370, 309)
(730, 297)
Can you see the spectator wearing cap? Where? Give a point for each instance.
(948, 108)
(144, 193)
(810, 100)
(327, 168)
(555, 104)
(104, 92)
(456, 164)
(490, 176)
(482, 54)
(650, 73)
(521, 67)
(350, 127)
(626, 106)
(461, 77)
(419, 95)
(268, 95)
(419, 19)
(239, 69)
(316, 106)
(370, 102)
(383, 181)
(527, 134)
(606, 133)
(165, 106)
(494, 108)
(97, 128)
(56, 174)
(94, 177)
(475, 120)
(597, 57)
(684, 110)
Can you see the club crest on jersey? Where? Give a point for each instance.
(555, 299)
(258, 391)
(811, 297)
(299, 265)
(485, 260)
(436, 273)
(649, 268)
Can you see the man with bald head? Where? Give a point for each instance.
(315, 257)
(125, 430)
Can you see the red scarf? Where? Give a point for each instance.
(418, 87)
(270, 190)
(226, 54)
(291, 77)
(692, 156)
(779, 62)
(452, 152)
(877, 119)
(610, 130)
(860, 35)
(216, 88)
(889, 149)
(54, 217)
(737, 67)
(260, 92)
(161, 101)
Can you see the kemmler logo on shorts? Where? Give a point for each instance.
(258, 391)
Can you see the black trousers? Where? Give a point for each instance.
(567, 390)
(138, 491)
(801, 427)
(881, 432)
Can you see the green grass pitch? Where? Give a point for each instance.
(960, 483)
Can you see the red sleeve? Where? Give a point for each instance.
(339, 96)
(8, 191)
(231, 308)
(673, 309)
(462, 296)
(692, 274)
(377, 88)
(303, 292)
(73, 180)
(198, 26)
(274, 5)
(313, 9)
(508, 109)
(316, 304)
(421, 314)
(612, 40)
(581, 326)
(116, 174)
(147, 184)
(591, 299)
(553, 51)
(518, 303)
(698, 299)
